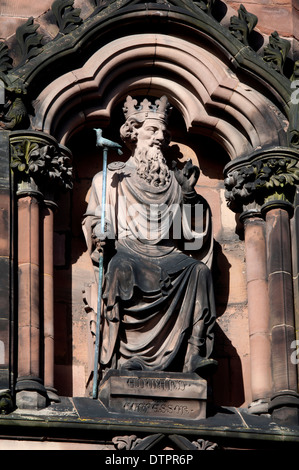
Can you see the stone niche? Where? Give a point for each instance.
(230, 102)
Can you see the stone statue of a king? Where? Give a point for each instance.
(158, 302)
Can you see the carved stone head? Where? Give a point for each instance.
(145, 133)
(146, 122)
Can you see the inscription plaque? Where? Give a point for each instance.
(154, 394)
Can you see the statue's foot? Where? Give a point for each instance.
(133, 364)
(201, 366)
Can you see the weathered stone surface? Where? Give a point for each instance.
(30, 400)
(154, 394)
(258, 308)
(237, 285)
(279, 12)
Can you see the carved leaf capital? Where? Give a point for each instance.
(261, 181)
(41, 163)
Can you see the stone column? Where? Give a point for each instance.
(41, 167)
(266, 181)
(48, 298)
(258, 310)
(31, 392)
(6, 279)
(295, 240)
(285, 399)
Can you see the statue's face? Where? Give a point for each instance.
(152, 133)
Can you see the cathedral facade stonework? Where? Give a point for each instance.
(149, 224)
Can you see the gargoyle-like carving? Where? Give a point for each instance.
(13, 114)
(29, 40)
(275, 53)
(44, 164)
(6, 402)
(260, 182)
(67, 17)
(242, 25)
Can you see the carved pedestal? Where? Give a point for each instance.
(154, 394)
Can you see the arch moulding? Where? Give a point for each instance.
(208, 94)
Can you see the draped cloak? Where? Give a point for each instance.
(153, 293)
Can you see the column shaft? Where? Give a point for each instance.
(258, 313)
(279, 259)
(48, 300)
(29, 383)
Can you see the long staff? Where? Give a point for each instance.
(103, 143)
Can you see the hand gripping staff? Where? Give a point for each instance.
(105, 144)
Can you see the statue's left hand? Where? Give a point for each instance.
(100, 239)
(187, 177)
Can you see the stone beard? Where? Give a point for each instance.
(158, 302)
(152, 166)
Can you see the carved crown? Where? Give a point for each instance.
(160, 110)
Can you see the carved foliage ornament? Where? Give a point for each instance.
(5, 61)
(125, 442)
(205, 5)
(260, 182)
(275, 53)
(29, 40)
(181, 442)
(201, 444)
(67, 17)
(44, 164)
(242, 25)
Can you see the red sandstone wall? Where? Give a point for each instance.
(273, 15)
(231, 383)
(15, 12)
(279, 15)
